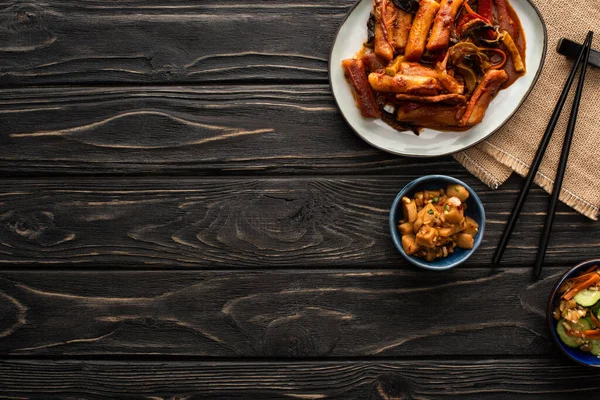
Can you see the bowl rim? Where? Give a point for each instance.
(550, 308)
(396, 238)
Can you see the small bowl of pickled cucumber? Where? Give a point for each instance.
(437, 222)
(573, 313)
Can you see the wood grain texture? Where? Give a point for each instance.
(302, 266)
(283, 314)
(415, 379)
(247, 223)
(212, 130)
(166, 41)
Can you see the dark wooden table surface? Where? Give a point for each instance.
(184, 214)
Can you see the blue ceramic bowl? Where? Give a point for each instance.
(583, 358)
(435, 182)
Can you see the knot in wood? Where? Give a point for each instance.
(392, 387)
(25, 18)
(27, 225)
(288, 340)
(23, 28)
(36, 227)
(310, 331)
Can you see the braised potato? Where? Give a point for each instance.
(458, 191)
(453, 215)
(410, 209)
(445, 232)
(465, 241)
(431, 194)
(428, 214)
(417, 225)
(435, 224)
(426, 236)
(409, 244)
(472, 226)
(406, 228)
(419, 199)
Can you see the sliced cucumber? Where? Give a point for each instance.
(587, 298)
(595, 347)
(562, 334)
(583, 325)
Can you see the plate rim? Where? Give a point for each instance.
(533, 83)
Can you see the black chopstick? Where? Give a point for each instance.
(562, 165)
(537, 160)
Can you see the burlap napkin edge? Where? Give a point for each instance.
(477, 170)
(520, 167)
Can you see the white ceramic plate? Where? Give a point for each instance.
(353, 33)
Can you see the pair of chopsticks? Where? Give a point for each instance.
(582, 59)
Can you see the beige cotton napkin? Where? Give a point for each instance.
(513, 147)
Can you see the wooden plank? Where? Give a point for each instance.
(248, 223)
(283, 314)
(167, 41)
(221, 129)
(518, 378)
